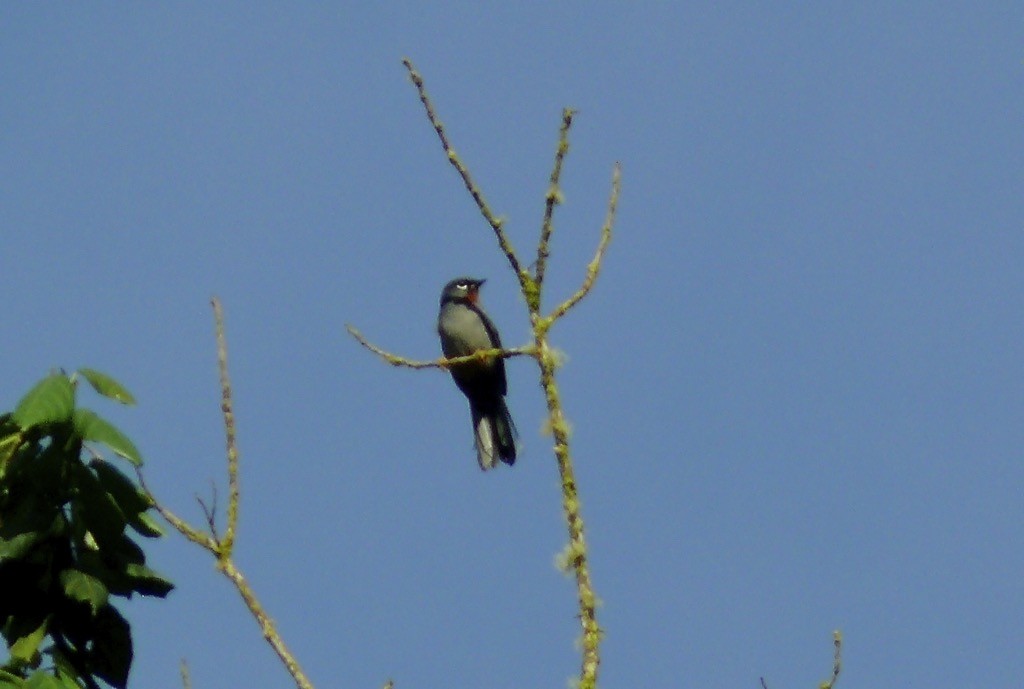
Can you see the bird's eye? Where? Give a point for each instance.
(462, 285)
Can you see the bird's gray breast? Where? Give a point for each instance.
(462, 331)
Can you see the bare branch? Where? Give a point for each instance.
(442, 363)
(180, 525)
(541, 351)
(267, 626)
(226, 408)
(837, 660)
(474, 191)
(221, 548)
(577, 548)
(210, 512)
(186, 679)
(595, 265)
(552, 198)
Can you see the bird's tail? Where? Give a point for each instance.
(495, 435)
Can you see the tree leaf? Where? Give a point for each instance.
(94, 508)
(124, 491)
(42, 680)
(17, 546)
(111, 654)
(11, 441)
(9, 680)
(147, 582)
(26, 648)
(92, 427)
(85, 588)
(64, 670)
(107, 386)
(132, 501)
(51, 401)
(67, 681)
(145, 525)
(112, 565)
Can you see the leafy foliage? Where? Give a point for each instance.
(67, 522)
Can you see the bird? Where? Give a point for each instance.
(464, 328)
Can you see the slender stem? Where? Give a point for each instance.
(494, 221)
(594, 267)
(221, 547)
(208, 542)
(442, 363)
(186, 678)
(226, 407)
(837, 660)
(552, 198)
(227, 566)
(532, 286)
(267, 626)
(587, 599)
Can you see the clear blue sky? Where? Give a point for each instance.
(797, 390)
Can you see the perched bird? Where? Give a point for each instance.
(464, 329)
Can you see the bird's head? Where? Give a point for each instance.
(462, 289)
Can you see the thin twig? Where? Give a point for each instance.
(587, 598)
(210, 512)
(594, 267)
(180, 525)
(227, 566)
(837, 660)
(442, 363)
(228, 542)
(552, 199)
(267, 626)
(221, 548)
(544, 355)
(186, 679)
(495, 222)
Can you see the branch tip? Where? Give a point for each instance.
(467, 180)
(441, 363)
(594, 267)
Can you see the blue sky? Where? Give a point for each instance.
(797, 390)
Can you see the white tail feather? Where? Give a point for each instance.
(486, 451)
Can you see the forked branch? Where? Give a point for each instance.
(541, 351)
(221, 547)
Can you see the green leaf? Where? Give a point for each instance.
(85, 588)
(107, 386)
(42, 680)
(92, 427)
(94, 508)
(145, 525)
(16, 547)
(132, 501)
(11, 440)
(51, 401)
(147, 582)
(64, 669)
(111, 654)
(111, 565)
(27, 514)
(9, 680)
(26, 649)
(67, 680)
(125, 493)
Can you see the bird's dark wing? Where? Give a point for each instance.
(492, 333)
